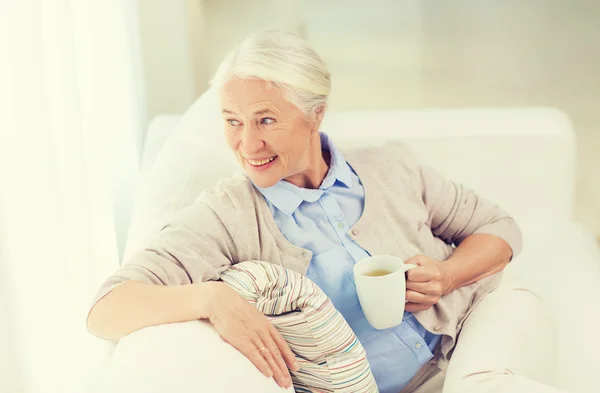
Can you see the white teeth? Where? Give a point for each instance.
(261, 162)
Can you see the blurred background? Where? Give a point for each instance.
(80, 81)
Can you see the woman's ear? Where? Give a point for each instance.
(319, 114)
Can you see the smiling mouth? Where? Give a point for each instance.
(259, 163)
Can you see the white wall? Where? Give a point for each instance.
(165, 39)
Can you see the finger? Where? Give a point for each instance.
(417, 286)
(415, 307)
(421, 273)
(419, 260)
(276, 353)
(284, 348)
(263, 349)
(280, 375)
(427, 288)
(418, 297)
(249, 350)
(275, 360)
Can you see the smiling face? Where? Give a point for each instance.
(271, 137)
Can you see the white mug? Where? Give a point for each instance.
(383, 297)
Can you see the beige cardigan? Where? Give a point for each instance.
(409, 209)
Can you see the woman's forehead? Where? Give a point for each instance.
(253, 94)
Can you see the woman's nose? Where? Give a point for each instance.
(251, 141)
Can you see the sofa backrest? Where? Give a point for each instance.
(523, 159)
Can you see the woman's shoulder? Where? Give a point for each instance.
(234, 192)
(394, 154)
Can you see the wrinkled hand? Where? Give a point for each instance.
(426, 283)
(244, 327)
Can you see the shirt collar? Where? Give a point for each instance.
(287, 197)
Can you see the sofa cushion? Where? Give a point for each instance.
(330, 356)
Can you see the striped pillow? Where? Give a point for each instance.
(330, 356)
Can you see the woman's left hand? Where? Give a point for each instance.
(426, 283)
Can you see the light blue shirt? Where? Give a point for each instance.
(319, 220)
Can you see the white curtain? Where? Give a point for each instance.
(70, 124)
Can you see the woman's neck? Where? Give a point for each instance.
(318, 167)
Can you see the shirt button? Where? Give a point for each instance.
(306, 254)
(340, 225)
(355, 232)
(437, 328)
(418, 345)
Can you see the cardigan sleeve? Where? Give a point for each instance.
(195, 246)
(456, 212)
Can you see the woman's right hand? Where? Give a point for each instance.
(244, 327)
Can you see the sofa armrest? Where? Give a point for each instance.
(561, 263)
(181, 357)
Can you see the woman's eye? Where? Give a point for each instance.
(233, 122)
(267, 120)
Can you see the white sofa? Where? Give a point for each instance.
(523, 159)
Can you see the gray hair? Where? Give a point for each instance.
(284, 59)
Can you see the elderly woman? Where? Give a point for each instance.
(312, 208)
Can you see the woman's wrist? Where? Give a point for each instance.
(205, 297)
(449, 274)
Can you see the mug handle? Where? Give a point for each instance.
(409, 266)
